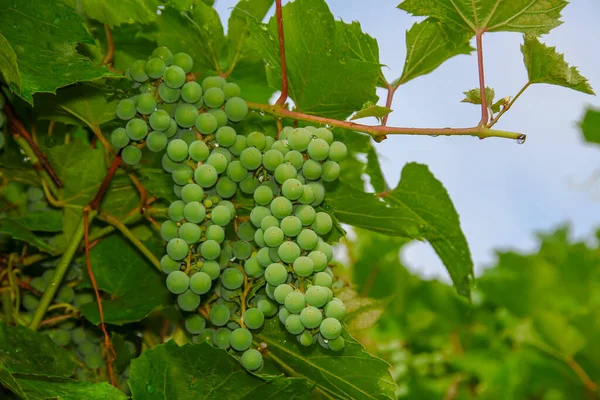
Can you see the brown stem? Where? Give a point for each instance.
(110, 46)
(284, 79)
(95, 203)
(484, 107)
(57, 319)
(379, 132)
(388, 102)
(590, 385)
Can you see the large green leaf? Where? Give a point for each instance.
(590, 125)
(545, 65)
(117, 12)
(420, 196)
(42, 221)
(429, 44)
(371, 110)
(17, 231)
(373, 169)
(349, 374)
(67, 389)
(527, 16)
(48, 59)
(201, 371)
(237, 30)
(326, 74)
(135, 286)
(8, 64)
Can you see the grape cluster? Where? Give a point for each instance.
(172, 106)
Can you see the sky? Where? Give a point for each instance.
(503, 192)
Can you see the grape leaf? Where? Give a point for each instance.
(473, 96)
(123, 272)
(534, 17)
(545, 65)
(362, 313)
(43, 221)
(372, 110)
(590, 125)
(8, 65)
(67, 389)
(47, 60)
(556, 331)
(373, 169)
(326, 75)
(238, 32)
(429, 44)
(421, 196)
(18, 232)
(349, 374)
(168, 371)
(118, 12)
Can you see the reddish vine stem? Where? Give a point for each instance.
(284, 79)
(388, 102)
(20, 130)
(484, 107)
(110, 46)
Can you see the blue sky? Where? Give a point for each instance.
(504, 192)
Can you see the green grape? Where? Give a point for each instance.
(337, 344)
(281, 207)
(177, 150)
(61, 338)
(192, 192)
(249, 184)
(308, 195)
(295, 302)
(270, 183)
(178, 282)
(229, 206)
(167, 94)
(231, 90)
(267, 307)
(138, 71)
(276, 274)
(284, 172)
(268, 222)
(305, 338)
(184, 61)
(319, 191)
(39, 283)
(324, 134)
(188, 301)
(182, 173)
(307, 239)
(195, 324)
(190, 232)
(259, 238)
(185, 115)
(236, 109)
(303, 266)
(293, 324)
(263, 195)
(263, 257)
(146, 104)
(223, 151)
(155, 68)
(206, 175)
(295, 158)
(87, 347)
(172, 129)
(291, 226)
(147, 87)
(156, 141)
(119, 138)
(93, 361)
(126, 109)
(335, 309)
(311, 317)
(292, 189)
(177, 190)
(164, 54)
(288, 252)
(330, 328)
(200, 282)
(318, 149)
(78, 335)
(252, 268)
(219, 315)
(191, 92)
(216, 233)
(257, 214)
(219, 115)
(240, 339)
(175, 210)
(246, 231)
(285, 132)
(206, 336)
(221, 215)
(273, 236)
(198, 151)
(187, 135)
(239, 145)
(65, 295)
(254, 318)
(206, 123)
(256, 139)
(269, 141)
(221, 338)
(322, 224)
(214, 97)
(306, 214)
(136, 129)
(316, 296)
(169, 265)
(174, 76)
(337, 151)
(272, 159)
(331, 171)
(299, 139)
(312, 170)
(251, 158)
(281, 146)
(226, 188)
(30, 302)
(283, 314)
(177, 249)
(281, 292)
(131, 155)
(210, 249)
(226, 136)
(242, 250)
(168, 230)
(217, 160)
(212, 269)
(213, 81)
(252, 359)
(322, 279)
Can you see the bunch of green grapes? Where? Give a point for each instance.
(171, 106)
(2, 120)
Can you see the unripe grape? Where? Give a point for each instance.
(252, 268)
(299, 139)
(281, 207)
(213, 81)
(236, 171)
(131, 155)
(119, 138)
(319, 192)
(322, 279)
(293, 324)
(195, 324)
(305, 338)
(240, 339)
(312, 170)
(291, 226)
(182, 174)
(164, 54)
(178, 282)
(192, 192)
(186, 114)
(219, 315)
(263, 257)
(155, 68)
(281, 292)
(137, 129)
(295, 302)
(169, 265)
(146, 103)
(273, 236)
(214, 97)
(311, 317)
(167, 94)
(306, 214)
(216, 233)
(330, 328)
(272, 159)
(292, 189)
(318, 149)
(177, 150)
(256, 139)
(93, 361)
(177, 190)
(326, 249)
(337, 344)
(232, 278)
(190, 232)
(268, 222)
(308, 195)
(126, 109)
(226, 136)
(283, 314)
(174, 76)
(226, 188)
(184, 61)
(239, 145)
(281, 146)
(175, 210)
(331, 171)
(231, 90)
(221, 215)
(254, 318)
(219, 115)
(206, 123)
(316, 296)
(295, 158)
(276, 274)
(252, 359)
(138, 71)
(210, 249)
(206, 175)
(259, 238)
(257, 214)
(188, 301)
(251, 158)
(156, 141)
(236, 109)
(325, 134)
(284, 172)
(337, 151)
(242, 250)
(288, 252)
(303, 266)
(198, 151)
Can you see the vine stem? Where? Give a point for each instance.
(484, 108)
(508, 106)
(390, 97)
(284, 79)
(110, 46)
(379, 132)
